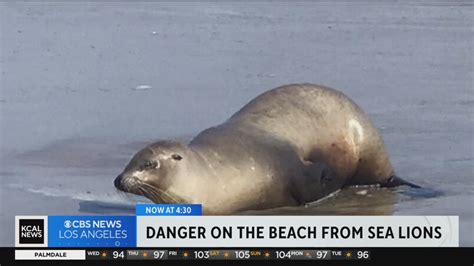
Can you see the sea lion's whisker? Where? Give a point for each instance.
(149, 194)
(146, 192)
(153, 193)
(172, 197)
(156, 197)
(164, 196)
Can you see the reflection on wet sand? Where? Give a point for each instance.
(102, 207)
(349, 201)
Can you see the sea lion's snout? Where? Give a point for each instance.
(118, 182)
(125, 183)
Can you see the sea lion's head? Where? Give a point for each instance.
(152, 170)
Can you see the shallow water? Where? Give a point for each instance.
(71, 115)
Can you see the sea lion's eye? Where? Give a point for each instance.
(150, 164)
(176, 157)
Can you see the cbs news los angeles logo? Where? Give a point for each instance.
(31, 231)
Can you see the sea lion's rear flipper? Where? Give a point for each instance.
(395, 181)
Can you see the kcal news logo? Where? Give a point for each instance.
(31, 231)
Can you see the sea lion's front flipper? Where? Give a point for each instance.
(316, 181)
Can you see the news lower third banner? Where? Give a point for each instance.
(182, 225)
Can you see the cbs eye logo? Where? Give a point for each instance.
(31, 231)
(67, 224)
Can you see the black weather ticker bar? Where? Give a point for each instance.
(44, 256)
(228, 254)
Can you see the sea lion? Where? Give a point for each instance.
(291, 145)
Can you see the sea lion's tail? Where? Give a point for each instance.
(395, 181)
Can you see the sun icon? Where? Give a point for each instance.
(145, 254)
(349, 254)
(226, 254)
(266, 254)
(104, 254)
(185, 254)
